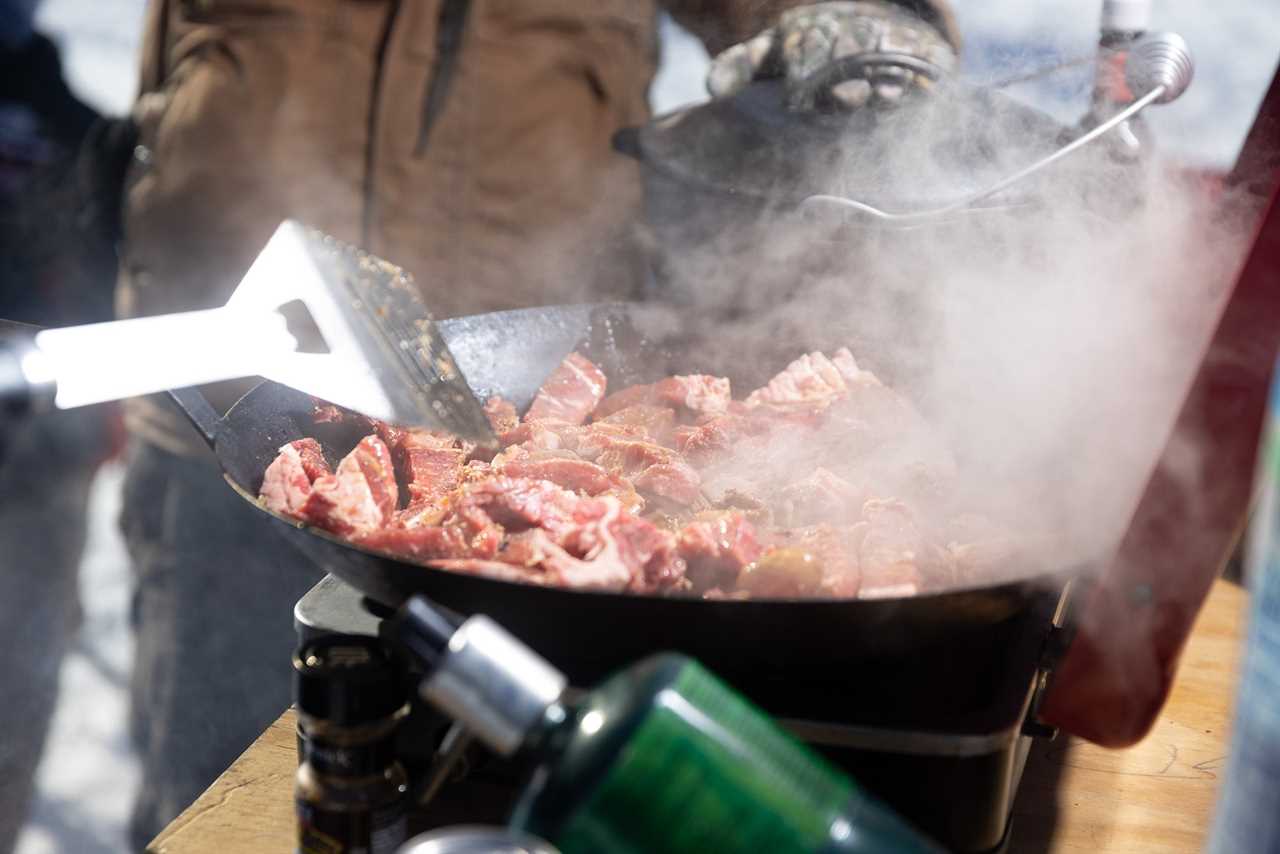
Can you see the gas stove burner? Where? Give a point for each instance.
(948, 763)
(332, 607)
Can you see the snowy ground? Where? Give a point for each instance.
(87, 779)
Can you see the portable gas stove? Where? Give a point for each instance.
(946, 753)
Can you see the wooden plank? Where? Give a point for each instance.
(1159, 794)
(1075, 797)
(249, 808)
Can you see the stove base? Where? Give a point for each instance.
(957, 787)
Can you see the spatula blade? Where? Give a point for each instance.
(384, 352)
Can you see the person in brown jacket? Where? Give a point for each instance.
(465, 140)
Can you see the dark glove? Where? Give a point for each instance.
(808, 39)
(58, 234)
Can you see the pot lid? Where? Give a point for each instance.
(936, 145)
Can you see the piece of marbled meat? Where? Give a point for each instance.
(571, 392)
(716, 547)
(502, 415)
(821, 497)
(657, 422)
(360, 495)
(575, 474)
(696, 394)
(890, 549)
(286, 485)
(813, 380)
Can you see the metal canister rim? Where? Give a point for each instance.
(476, 839)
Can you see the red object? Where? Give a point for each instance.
(1134, 621)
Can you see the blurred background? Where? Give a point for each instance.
(87, 777)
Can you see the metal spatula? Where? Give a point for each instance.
(311, 313)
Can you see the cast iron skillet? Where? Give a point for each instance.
(763, 646)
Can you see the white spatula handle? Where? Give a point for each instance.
(126, 358)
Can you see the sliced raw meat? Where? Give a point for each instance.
(889, 551)
(518, 504)
(502, 415)
(575, 474)
(546, 434)
(286, 486)
(714, 438)
(810, 561)
(432, 473)
(699, 394)
(312, 457)
(618, 551)
(654, 470)
(977, 549)
(359, 496)
(570, 393)
(636, 395)
(423, 515)
(876, 415)
(853, 375)
(529, 548)
(675, 482)
(624, 456)
(820, 497)
(813, 379)
(424, 542)
(717, 436)
(715, 549)
(606, 549)
(792, 470)
(656, 422)
(495, 569)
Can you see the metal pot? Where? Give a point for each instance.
(726, 184)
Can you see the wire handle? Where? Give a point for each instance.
(1160, 65)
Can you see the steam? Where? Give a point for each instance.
(1049, 344)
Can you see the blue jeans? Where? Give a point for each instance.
(213, 613)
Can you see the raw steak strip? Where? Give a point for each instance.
(654, 470)
(821, 497)
(501, 414)
(619, 551)
(286, 486)
(717, 549)
(700, 394)
(473, 535)
(570, 393)
(577, 475)
(794, 466)
(835, 563)
(431, 474)
(495, 569)
(813, 379)
(656, 422)
(676, 481)
(360, 495)
(891, 547)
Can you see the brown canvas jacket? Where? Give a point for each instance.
(468, 142)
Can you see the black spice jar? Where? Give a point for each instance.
(351, 793)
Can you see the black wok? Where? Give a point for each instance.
(793, 656)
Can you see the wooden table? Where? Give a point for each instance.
(1075, 797)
